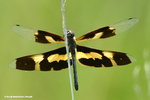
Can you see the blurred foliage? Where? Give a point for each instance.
(129, 82)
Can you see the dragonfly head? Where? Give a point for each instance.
(70, 34)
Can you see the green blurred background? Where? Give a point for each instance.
(131, 82)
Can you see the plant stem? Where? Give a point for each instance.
(63, 3)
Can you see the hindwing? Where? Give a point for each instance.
(52, 60)
(101, 58)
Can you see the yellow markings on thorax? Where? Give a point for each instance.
(37, 59)
(57, 57)
(92, 55)
(98, 35)
(110, 56)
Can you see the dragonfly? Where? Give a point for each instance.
(57, 59)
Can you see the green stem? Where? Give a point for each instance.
(67, 49)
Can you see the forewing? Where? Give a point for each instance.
(109, 31)
(37, 35)
(52, 60)
(98, 58)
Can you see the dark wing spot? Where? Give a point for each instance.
(25, 63)
(121, 59)
(97, 62)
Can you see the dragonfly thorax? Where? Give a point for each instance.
(71, 39)
(70, 34)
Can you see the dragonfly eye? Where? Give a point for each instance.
(70, 33)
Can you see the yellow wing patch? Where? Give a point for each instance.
(110, 55)
(89, 55)
(37, 59)
(57, 57)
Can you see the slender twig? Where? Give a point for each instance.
(63, 3)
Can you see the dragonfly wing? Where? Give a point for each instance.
(52, 60)
(98, 58)
(109, 31)
(37, 35)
